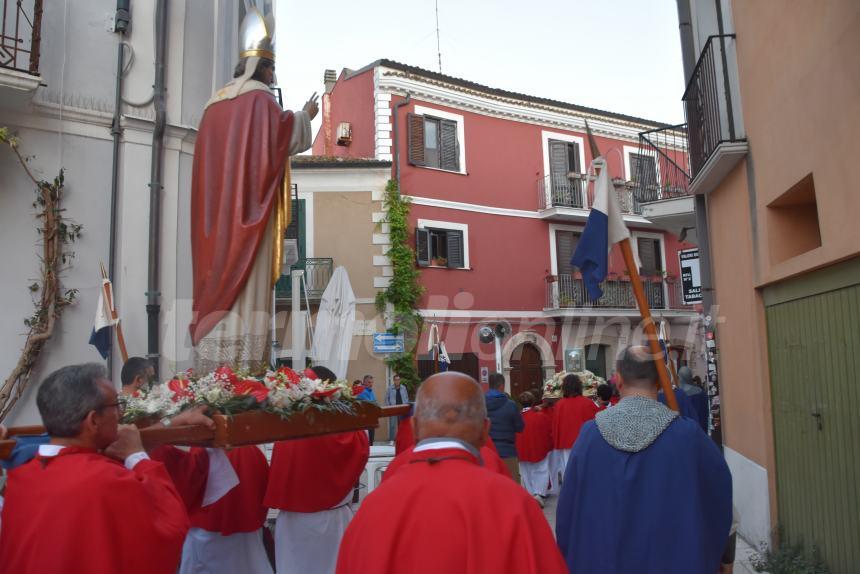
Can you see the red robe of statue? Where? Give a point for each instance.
(239, 160)
(241, 509)
(314, 474)
(81, 512)
(569, 416)
(449, 516)
(535, 442)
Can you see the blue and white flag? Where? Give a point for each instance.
(436, 348)
(444, 360)
(605, 228)
(101, 335)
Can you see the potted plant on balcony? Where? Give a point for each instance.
(439, 262)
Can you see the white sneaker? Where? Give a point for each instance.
(539, 500)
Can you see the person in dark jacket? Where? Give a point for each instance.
(505, 422)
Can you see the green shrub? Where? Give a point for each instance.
(789, 558)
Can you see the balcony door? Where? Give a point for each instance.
(563, 159)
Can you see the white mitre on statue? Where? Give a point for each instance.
(256, 41)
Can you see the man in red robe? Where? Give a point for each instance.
(311, 482)
(404, 445)
(201, 476)
(91, 500)
(534, 444)
(227, 536)
(240, 197)
(570, 414)
(443, 512)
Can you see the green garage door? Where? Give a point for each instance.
(813, 330)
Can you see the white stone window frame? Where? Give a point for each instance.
(449, 226)
(461, 133)
(628, 150)
(553, 248)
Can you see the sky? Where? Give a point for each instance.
(616, 55)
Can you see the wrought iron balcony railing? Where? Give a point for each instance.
(20, 35)
(569, 292)
(318, 271)
(708, 101)
(661, 169)
(572, 190)
(560, 190)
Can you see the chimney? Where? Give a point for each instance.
(329, 79)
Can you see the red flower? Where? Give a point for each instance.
(226, 373)
(324, 394)
(292, 377)
(251, 387)
(180, 390)
(309, 373)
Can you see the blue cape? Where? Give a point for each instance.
(26, 447)
(686, 407)
(664, 510)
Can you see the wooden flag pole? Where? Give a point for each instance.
(641, 301)
(120, 338)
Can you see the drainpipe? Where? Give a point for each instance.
(121, 23)
(397, 106)
(153, 295)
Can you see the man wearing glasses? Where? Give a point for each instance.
(91, 500)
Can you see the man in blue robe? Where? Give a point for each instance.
(668, 505)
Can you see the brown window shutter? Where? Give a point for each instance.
(649, 256)
(450, 146)
(422, 247)
(565, 246)
(456, 255)
(416, 138)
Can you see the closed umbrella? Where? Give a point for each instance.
(335, 320)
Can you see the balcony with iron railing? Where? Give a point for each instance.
(318, 272)
(714, 125)
(661, 168)
(660, 173)
(569, 196)
(20, 42)
(569, 292)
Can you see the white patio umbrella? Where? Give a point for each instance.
(335, 320)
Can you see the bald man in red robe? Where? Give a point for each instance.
(404, 445)
(91, 500)
(458, 517)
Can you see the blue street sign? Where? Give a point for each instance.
(388, 343)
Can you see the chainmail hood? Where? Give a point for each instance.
(634, 423)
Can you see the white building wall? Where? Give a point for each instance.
(67, 123)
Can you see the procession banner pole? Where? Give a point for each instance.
(642, 302)
(120, 338)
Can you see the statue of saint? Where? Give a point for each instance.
(240, 205)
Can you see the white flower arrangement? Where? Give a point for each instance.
(225, 391)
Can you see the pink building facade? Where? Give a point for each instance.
(500, 192)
